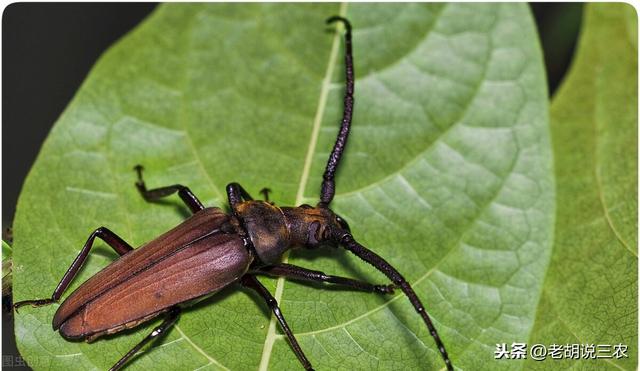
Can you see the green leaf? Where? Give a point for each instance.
(448, 175)
(6, 268)
(590, 294)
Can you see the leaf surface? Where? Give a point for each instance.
(448, 175)
(590, 294)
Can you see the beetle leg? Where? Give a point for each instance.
(252, 282)
(112, 239)
(265, 192)
(157, 193)
(304, 274)
(171, 319)
(237, 194)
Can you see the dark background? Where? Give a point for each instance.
(48, 49)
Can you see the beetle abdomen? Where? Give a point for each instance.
(200, 224)
(202, 268)
(143, 281)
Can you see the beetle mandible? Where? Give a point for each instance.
(211, 250)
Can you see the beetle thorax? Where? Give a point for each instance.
(267, 229)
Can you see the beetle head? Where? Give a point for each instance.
(314, 227)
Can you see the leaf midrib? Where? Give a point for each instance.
(271, 336)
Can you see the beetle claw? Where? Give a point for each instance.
(138, 168)
(34, 303)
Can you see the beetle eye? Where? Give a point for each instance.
(343, 224)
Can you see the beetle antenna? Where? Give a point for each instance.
(328, 189)
(383, 266)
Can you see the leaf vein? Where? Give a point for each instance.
(324, 92)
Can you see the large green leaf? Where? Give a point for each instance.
(590, 294)
(448, 175)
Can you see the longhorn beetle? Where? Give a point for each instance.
(212, 250)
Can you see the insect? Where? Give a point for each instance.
(212, 250)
